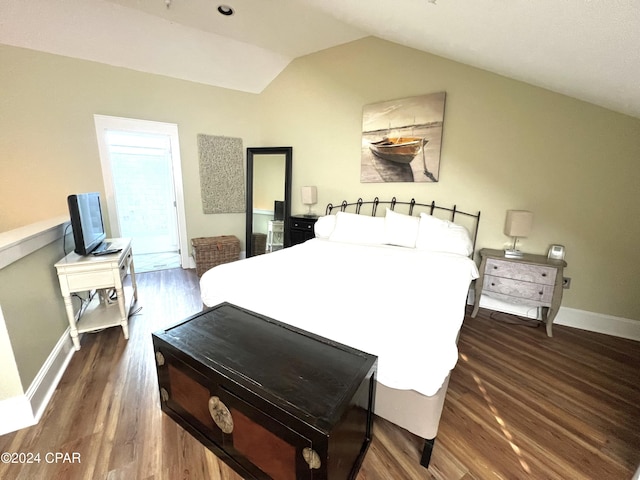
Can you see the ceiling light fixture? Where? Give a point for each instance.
(225, 10)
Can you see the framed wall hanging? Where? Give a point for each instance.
(401, 139)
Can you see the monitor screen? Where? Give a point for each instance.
(86, 221)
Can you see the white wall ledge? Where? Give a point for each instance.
(20, 242)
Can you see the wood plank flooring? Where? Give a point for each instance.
(520, 406)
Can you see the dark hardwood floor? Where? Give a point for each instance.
(520, 405)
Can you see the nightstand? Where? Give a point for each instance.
(532, 280)
(301, 228)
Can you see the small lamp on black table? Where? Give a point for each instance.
(309, 197)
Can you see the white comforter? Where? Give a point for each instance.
(404, 305)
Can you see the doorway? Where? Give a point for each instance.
(142, 175)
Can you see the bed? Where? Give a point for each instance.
(389, 282)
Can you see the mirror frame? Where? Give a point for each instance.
(288, 155)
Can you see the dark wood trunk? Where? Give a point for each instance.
(271, 400)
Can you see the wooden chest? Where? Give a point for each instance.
(271, 400)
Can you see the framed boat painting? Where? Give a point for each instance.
(401, 139)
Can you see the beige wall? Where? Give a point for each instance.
(10, 384)
(33, 310)
(506, 145)
(48, 149)
(48, 146)
(268, 180)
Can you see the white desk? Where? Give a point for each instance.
(77, 273)
(275, 235)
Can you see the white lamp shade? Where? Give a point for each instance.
(518, 223)
(309, 195)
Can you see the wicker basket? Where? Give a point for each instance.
(211, 251)
(259, 243)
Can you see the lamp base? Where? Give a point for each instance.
(512, 253)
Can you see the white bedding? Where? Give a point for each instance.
(402, 304)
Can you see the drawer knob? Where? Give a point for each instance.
(540, 293)
(311, 457)
(220, 415)
(544, 274)
(159, 359)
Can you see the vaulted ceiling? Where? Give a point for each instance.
(586, 49)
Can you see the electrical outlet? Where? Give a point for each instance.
(566, 282)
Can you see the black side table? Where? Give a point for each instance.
(301, 228)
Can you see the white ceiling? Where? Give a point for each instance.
(587, 49)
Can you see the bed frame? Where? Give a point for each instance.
(417, 413)
(469, 220)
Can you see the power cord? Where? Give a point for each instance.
(64, 239)
(515, 320)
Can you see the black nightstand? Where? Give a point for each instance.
(301, 227)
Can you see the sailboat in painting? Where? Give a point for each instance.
(398, 149)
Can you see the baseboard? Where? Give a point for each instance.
(44, 385)
(26, 410)
(599, 323)
(513, 309)
(569, 317)
(15, 414)
(191, 263)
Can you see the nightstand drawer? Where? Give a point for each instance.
(517, 289)
(521, 271)
(301, 228)
(302, 224)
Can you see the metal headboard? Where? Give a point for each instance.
(430, 207)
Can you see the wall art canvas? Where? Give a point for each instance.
(221, 174)
(401, 139)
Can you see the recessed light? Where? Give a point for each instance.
(225, 10)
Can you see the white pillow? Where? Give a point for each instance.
(324, 226)
(443, 236)
(354, 228)
(400, 229)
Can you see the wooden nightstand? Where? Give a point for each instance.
(533, 280)
(301, 228)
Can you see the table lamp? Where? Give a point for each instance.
(309, 198)
(518, 224)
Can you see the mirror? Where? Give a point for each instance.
(268, 199)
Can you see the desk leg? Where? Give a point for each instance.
(132, 273)
(123, 312)
(73, 330)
